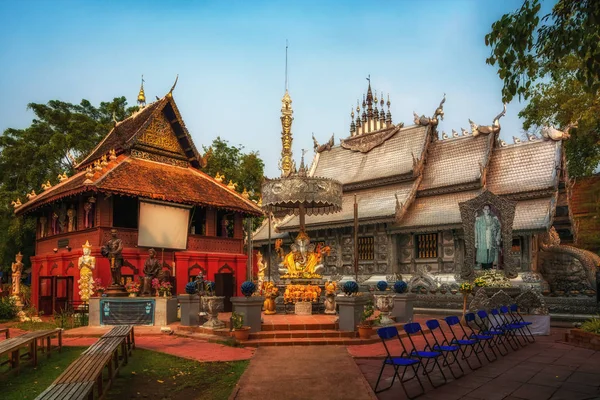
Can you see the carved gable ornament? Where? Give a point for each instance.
(368, 141)
(160, 135)
(487, 224)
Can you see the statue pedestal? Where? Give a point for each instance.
(351, 309)
(116, 291)
(250, 308)
(212, 305)
(190, 307)
(158, 311)
(303, 308)
(403, 307)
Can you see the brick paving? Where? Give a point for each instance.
(547, 369)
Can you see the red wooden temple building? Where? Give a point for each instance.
(145, 180)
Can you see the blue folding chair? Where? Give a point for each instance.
(464, 341)
(389, 333)
(487, 327)
(412, 329)
(518, 319)
(510, 331)
(448, 350)
(480, 337)
(515, 325)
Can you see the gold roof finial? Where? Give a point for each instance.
(286, 163)
(142, 96)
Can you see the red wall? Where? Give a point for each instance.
(64, 263)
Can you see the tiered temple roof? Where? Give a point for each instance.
(149, 154)
(410, 178)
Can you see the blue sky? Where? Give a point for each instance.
(230, 58)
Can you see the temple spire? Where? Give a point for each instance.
(286, 163)
(141, 99)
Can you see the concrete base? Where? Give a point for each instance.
(351, 309)
(190, 307)
(250, 308)
(403, 307)
(540, 324)
(165, 310)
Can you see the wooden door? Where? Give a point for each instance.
(224, 286)
(46, 299)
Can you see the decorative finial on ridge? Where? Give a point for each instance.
(286, 163)
(170, 94)
(141, 99)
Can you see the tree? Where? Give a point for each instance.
(527, 48)
(59, 134)
(555, 63)
(244, 169)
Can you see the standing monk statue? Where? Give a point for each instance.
(152, 269)
(487, 238)
(17, 268)
(112, 250)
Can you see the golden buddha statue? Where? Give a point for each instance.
(303, 261)
(87, 264)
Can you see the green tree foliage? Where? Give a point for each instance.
(554, 62)
(59, 134)
(245, 169)
(561, 101)
(526, 47)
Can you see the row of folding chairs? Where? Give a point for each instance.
(488, 334)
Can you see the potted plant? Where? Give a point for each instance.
(165, 289)
(133, 288)
(240, 331)
(365, 328)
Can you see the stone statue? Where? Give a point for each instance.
(87, 264)
(551, 133)
(152, 269)
(486, 130)
(112, 250)
(330, 288)
(261, 269)
(71, 220)
(54, 223)
(87, 207)
(303, 261)
(487, 238)
(17, 268)
(43, 221)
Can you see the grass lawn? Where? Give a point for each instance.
(152, 375)
(149, 375)
(32, 381)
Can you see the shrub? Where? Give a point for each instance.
(248, 288)
(8, 308)
(382, 286)
(400, 287)
(191, 288)
(350, 288)
(592, 325)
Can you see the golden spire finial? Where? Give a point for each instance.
(286, 163)
(142, 96)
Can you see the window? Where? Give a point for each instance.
(125, 212)
(198, 224)
(516, 245)
(366, 248)
(224, 224)
(426, 245)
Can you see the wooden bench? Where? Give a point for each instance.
(5, 332)
(12, 347)
(43, 341)
(78, 380)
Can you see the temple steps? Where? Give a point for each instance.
(340, 341)
(296, 334)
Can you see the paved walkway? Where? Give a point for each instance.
(544, 370)
(302, 372)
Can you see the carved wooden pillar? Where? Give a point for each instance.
(211, 221)
(238, 227)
